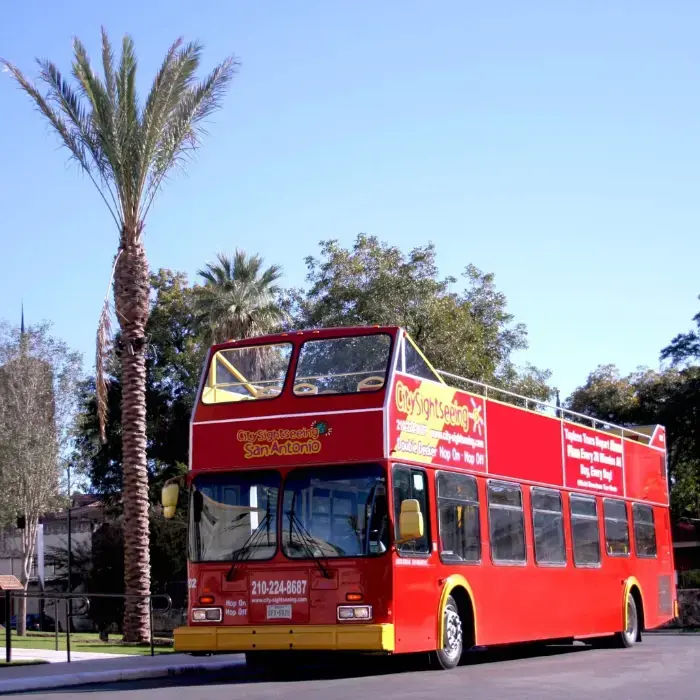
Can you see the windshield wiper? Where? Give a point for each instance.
(305, 537)
(246, 549)
(377, 492)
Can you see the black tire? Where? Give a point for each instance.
(629, 636)
(256, 660)
(449, 656)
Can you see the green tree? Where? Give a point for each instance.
(467, 332)
(239, 298)
(670, 397)
(685, 347)
(173, 366)
(38, 380)
(127, 149)
(606, 395)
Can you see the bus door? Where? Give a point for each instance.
(415, 586)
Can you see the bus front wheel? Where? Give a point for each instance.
(453, 637)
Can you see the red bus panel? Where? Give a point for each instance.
(317, 439)
(645, 471)
(593, 460)
(523, 445)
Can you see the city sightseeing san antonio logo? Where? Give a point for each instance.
(283, 442)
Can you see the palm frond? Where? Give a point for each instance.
(174, 78)
(102, 117)
(238, 298)
(108, 67)
(75, 147)
(128, 132)
(180, 133)
(69, 102)
(71, 139)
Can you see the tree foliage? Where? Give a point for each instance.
(38, 381)
(127, 148)
(175, 355)
(685, 347)
(670, 397)
(467, 332)
(238, 299)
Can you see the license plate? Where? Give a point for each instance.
(279, 612)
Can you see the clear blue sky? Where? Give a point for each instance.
(556, 144)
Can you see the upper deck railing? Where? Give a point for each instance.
(558, 411)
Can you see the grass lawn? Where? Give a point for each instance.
(81, 641)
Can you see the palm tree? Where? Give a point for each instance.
(127, 149)
(238, 299)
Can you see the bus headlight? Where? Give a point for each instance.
(206, 614)
(354, 612)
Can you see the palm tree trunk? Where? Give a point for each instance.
(131, 292)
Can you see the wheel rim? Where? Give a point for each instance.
(631, 628)
(453, 634)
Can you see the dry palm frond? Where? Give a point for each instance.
(102, 350)
(104, 345)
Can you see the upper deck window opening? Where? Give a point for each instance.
(343, 365)
(247, 373)
(416, 363)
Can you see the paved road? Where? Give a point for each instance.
(661, 667)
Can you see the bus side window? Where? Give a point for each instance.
(411, 483)
(506, 522)
(584, 529)
(617, 536)
(458, 518)
(644, 530)
(548, 526)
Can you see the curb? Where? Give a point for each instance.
(17, 685)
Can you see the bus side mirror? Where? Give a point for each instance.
(168, 498)
(410, 521)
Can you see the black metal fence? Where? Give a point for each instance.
(75, 604)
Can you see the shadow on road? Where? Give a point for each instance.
(301, 666)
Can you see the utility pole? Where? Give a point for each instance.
(70, 548)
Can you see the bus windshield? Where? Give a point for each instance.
(247, 373)
(335, 512)
(233, 516)
(343, 365)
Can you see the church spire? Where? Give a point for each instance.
(21, 328)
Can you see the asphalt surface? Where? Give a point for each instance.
(661, 667)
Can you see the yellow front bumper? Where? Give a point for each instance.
(349, 637)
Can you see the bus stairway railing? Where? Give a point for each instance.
(69, 611)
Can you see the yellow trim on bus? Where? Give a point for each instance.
(451, 582)
(218, 357)
(339, 637)
(629, 583)
(438, 377)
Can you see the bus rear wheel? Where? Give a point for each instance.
(629, 636)
(453, 638)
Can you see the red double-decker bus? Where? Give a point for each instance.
(343, 496)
